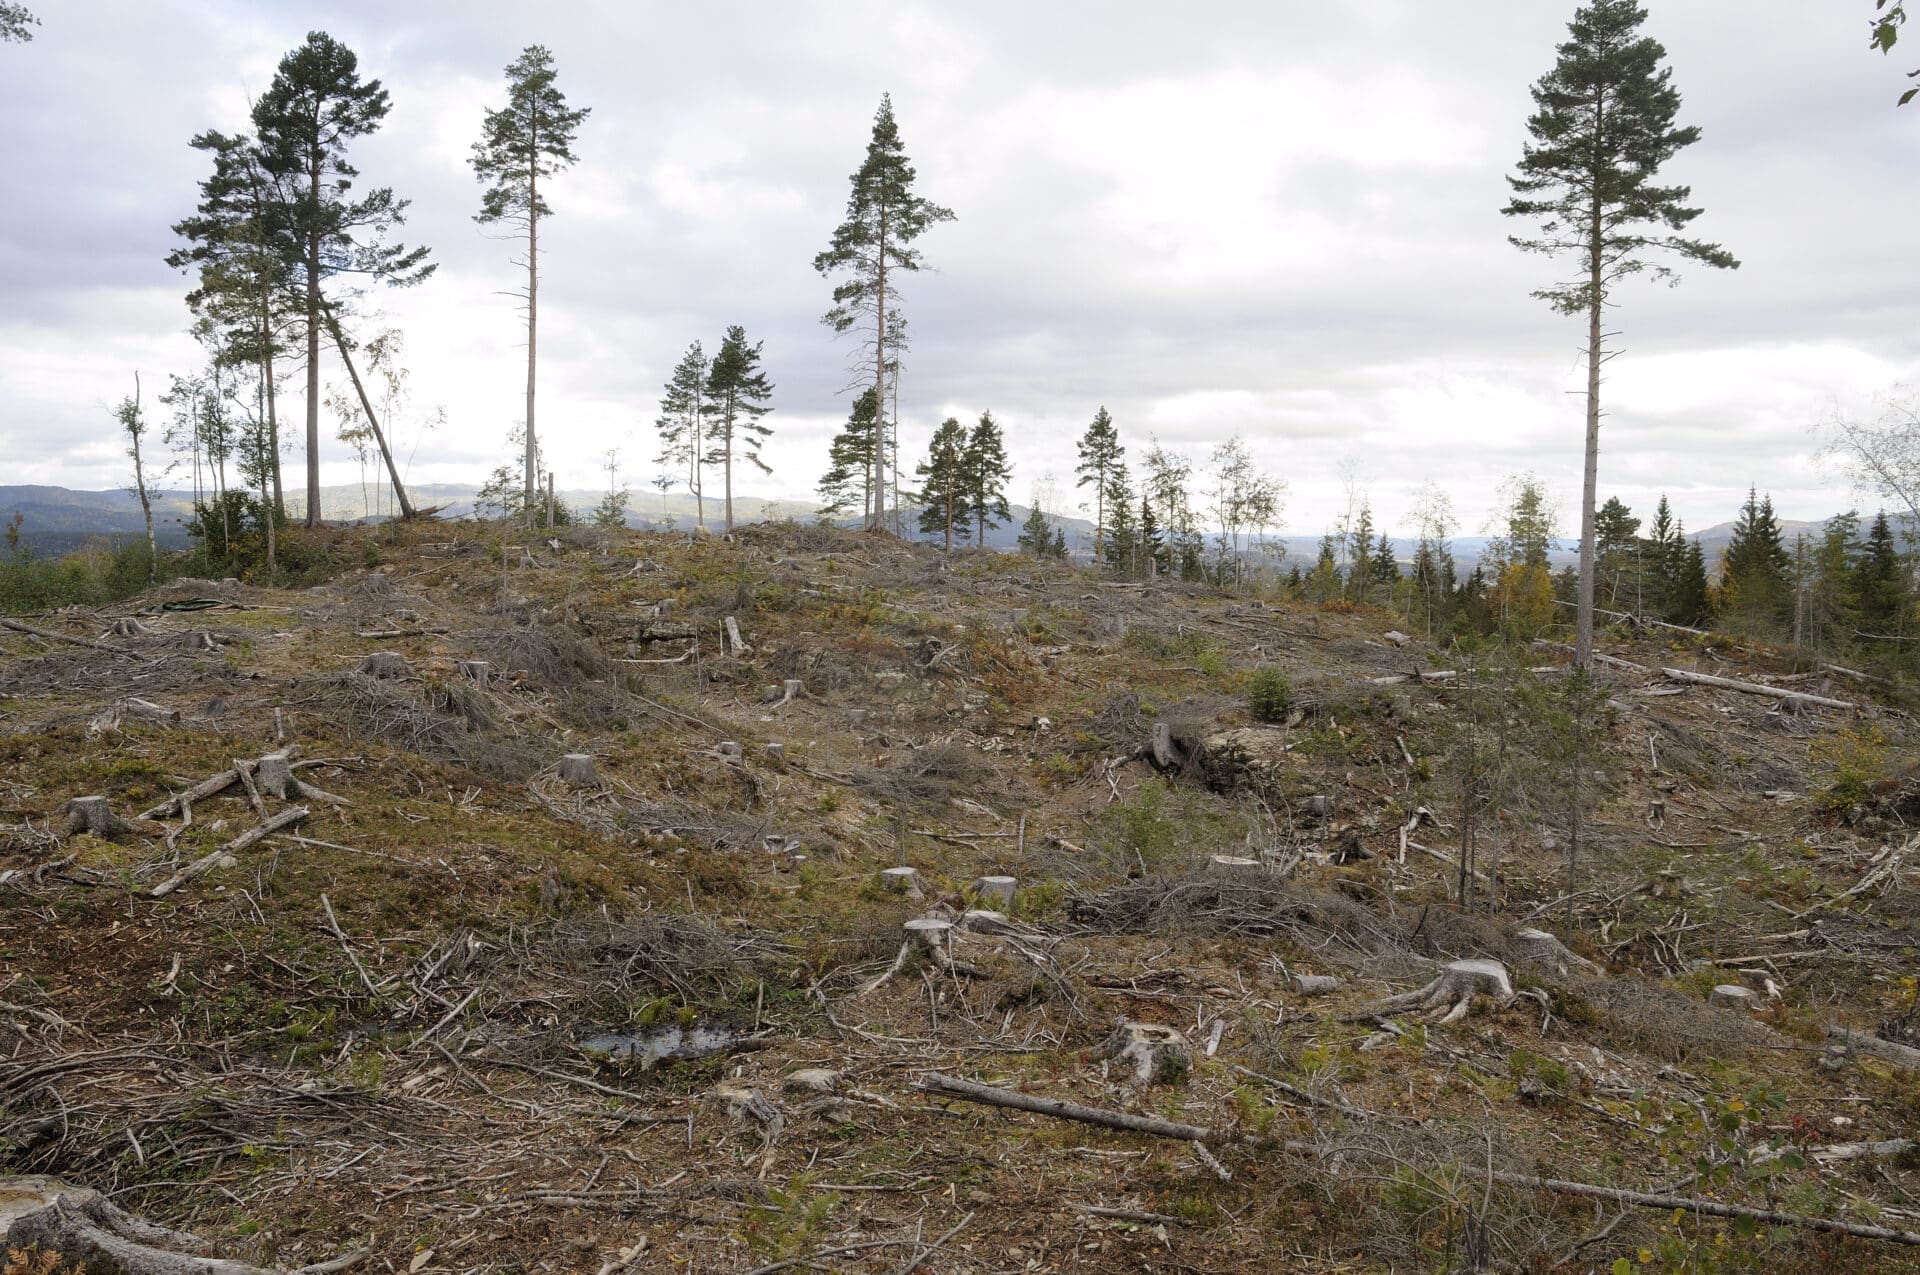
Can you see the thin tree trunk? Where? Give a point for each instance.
(313, 381)
(876, 476)
(726, 450)
(366, 405)
(1589, 487)
(140, 482)
(533, 309)
(273, 420)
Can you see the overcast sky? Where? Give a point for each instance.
(1278, 221)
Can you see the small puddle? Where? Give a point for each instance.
(643, 1050)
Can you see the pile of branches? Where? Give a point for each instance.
(451, 722)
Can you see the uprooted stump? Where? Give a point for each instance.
(93, 815)
(1156, 1053)
(386, 665)
(1453, 991)
(88, 1229)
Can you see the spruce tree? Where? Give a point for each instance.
(1879, 584)
(943, 484)
(737, 392)
(1123, 533)
(1602, 128)
(523, 143)
(1036, 537)
(985, 473)
(1692, 604)
(1616, 533)
(314, 107)
(851, 458)
(1153, 546)
(1386, 570)
(1754, 572)
(1100, 451)
(682, 425)
(884, 218)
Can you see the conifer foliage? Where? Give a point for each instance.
(874, 244)
(1100, 454)
(943, 484)
(523, 143)
(984, 474)
(315, 106)
(737, 393)
(1602, 128)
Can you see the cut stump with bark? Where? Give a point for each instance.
(993, 893)
(1156, 1054)
(93, 815)
(578, 771)
(1451, 995)
(1734, 996)
(386, 665)
(901, 881)
(88, 1229)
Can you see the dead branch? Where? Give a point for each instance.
(988, 1095)
(1754, 688)
(206, 862)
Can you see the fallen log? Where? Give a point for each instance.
(988, 1095)
(206, 862)
(205, 788)
(1886, 1050)
(1753, 688)
(47, 635)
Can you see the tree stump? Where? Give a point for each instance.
(1734, 996)
(1451, 994)
(901, 881)
(1315, 984)
(984, 921)
(273, 775)
(993, 892)
(139, 710)
(776, 751)
(93, 815)
(813, 1080)
(1166, 754)
(577, 771)
(1544, 950)
(200, 640)
(1156, 1054)
(385, 665)
(1319, 804)
(730, 749)
(477, 670)
(128, 626)
(86, 1228)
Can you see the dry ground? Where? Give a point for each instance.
(407, 1075)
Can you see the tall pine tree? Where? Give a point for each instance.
(521, 144)
(876, 241)
(1602, 127)
(737, 393)
(314, 107)
(1100, 451)
(682, 425)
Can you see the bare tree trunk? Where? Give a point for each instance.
(313, 352)
(876, 477)
(140, 484)
(726, 452)
(1589, 487)
(366, 405)
(533, 312)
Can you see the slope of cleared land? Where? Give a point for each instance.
(362, 1033)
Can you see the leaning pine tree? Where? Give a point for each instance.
(315, 105)
(1602, 128)
(884, 218)
(529, 139)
